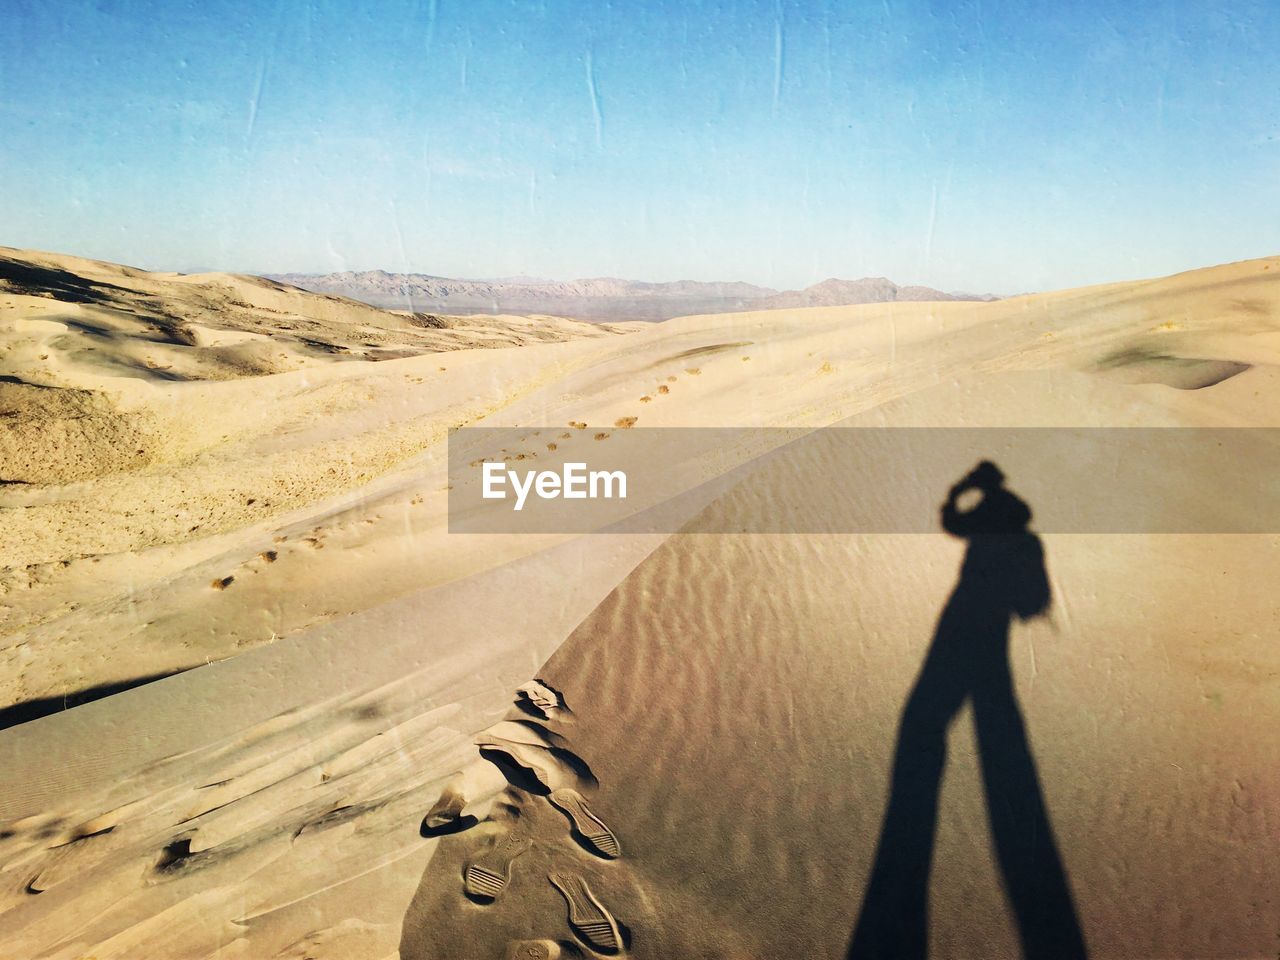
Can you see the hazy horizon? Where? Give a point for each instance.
(994, 149)
(532, 279)
(674, 279)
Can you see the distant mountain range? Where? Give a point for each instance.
(603, 299)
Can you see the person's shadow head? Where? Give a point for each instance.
(1004, 563)
(997, 510)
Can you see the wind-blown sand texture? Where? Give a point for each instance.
(723, 712)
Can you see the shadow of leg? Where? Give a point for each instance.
(894, 920)
(1035, 880)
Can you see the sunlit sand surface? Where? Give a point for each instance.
(242, 487)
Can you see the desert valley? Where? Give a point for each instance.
(259, 702)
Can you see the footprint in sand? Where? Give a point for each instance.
(536, 697)
(589, 827)
(445, 814)
(535, 768)
(519, 731)
(534, 950)
(590, 919)
(488, 874)
(483, 777)
(535, 760)
(477, 781)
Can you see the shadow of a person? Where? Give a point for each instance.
(1003, 576)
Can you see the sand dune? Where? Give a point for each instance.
(110, 320)
(276, 508)
(741, 737)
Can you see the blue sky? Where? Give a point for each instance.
(975, 146)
